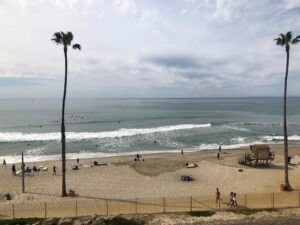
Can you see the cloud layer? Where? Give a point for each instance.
(139, 48)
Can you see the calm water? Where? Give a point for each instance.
(103, 127)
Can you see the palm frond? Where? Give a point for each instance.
(57, 38)
(69, 38)
(296, 40)
(279, 41)
(77, 46)
(288, 36)
(283, 38)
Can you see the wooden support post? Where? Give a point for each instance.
(191, 208)
(45, 210)
(246, 201)
(136, 206)
(13, 211)
(76, 209)
(106, 203)
(273, 200)
(164, 204)
(23, 174)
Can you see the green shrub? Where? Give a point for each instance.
(118, 220)
(202, 213)
(20, 221)
(248, 212)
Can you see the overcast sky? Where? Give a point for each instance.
(140, 48)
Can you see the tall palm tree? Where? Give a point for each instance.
(65, 39)
(285, 40)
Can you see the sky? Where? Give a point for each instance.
(148, 48)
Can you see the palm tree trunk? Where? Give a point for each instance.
(286, 153)
(63, 129)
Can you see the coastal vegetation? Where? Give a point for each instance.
(285, 40)
(65, 39)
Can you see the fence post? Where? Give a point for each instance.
(219, 204)
(299, 198)
(273, 200)
(191, 209)
(45, 210)
(106, 203)
(13, 211)
(136, 206)
(164, 204)
(246, 198)
(76, 209)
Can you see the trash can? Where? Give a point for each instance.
(282, 187)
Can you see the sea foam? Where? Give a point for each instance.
(76, 136)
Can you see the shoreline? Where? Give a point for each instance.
(98, 155)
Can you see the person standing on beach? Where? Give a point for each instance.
(218, 195)
(220, 148)
(4, 162)
(54, 170)
(13, 169)
(234, 199)
(181, 151)
(77, 160)
(218, 155)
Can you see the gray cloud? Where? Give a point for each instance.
(174, 61)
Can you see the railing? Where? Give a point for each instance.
(82, 207)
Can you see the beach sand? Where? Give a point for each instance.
(157, 176)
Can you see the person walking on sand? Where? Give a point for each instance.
(13, 169)
(220, 148)
(54, 170)
(218, 195)
(77, 160)
(4, 162)
(181, 151)
(234, 202)
(230, 203)
(218, 155)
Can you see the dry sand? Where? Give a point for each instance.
(157, 176)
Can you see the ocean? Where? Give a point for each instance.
(108, 127)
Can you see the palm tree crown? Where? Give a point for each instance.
(287, 39)
(65, 39)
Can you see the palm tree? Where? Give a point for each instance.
(65, 39)
(286, 40)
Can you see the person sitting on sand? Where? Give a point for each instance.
(77, 160)
(75, 167)
(34, 169)
(4, 162)
(28, 170)
(95, 163)
(186, 164)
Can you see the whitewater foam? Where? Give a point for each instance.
(76, 136)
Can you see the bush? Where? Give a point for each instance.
(118, 220)
(202, 213)
(20, 221)
(248, 212)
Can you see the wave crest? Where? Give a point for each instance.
(124, 132)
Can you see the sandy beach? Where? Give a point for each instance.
(157, 176)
